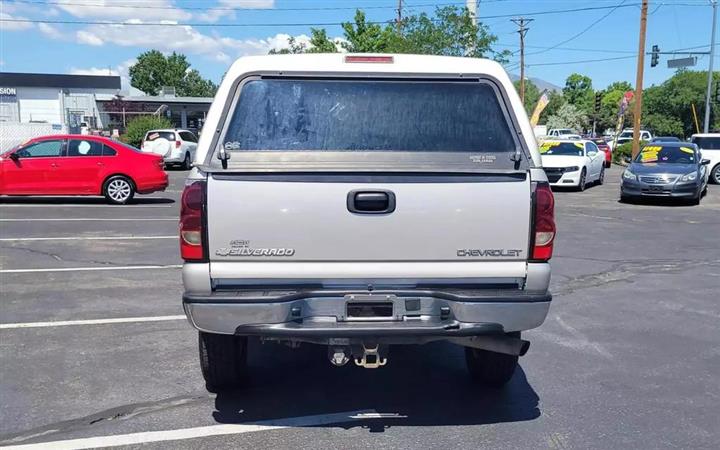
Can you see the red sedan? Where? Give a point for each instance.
(80, 165)
(602, 145)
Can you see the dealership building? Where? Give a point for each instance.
(64, 102)
(36, 104)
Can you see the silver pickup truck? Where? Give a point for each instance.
(364, 201)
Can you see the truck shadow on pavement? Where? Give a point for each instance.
(79, 200)
(421, 385)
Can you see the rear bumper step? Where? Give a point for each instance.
(326, 314)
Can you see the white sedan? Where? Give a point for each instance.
(573, 163)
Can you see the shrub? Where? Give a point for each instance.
(623, 153)
(139, 126)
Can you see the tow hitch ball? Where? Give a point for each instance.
(369, 357)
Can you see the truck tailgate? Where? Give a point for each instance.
(478, 221)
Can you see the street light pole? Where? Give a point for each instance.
(706, 125)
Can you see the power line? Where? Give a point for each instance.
(521, 22)
(221, 8)
(585, 30)
(561, 63)
(232, 24)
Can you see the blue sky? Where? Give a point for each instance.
(211, 47)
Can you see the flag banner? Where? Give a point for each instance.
(539, 108)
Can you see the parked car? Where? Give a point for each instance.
(627, 136)
(326, 231)
(709, 145)
(668, 169)
(560, 132)
(80, 165)
(573, 163)
(175, 146)
(603, 146)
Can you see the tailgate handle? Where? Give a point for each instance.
(371, 202)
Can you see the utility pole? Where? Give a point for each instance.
(471, 5)
(399, 16)
(706, 125)
(522, 30)
(639, 80)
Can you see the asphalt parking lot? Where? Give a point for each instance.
(628, 357)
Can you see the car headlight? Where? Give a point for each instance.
(572, 169)
(692, 176)
(628, 175)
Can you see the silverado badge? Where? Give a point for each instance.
(243, 248)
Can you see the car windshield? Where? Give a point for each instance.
(626, 134)
(666, 155)
(666, 139)
(707, 142)
(562, 148)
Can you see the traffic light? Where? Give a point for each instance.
(655, 58)
(598, 102)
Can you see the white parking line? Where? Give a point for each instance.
(90, 269)
(51, 205)
(93, 219)
(193, 433)
(87, 238)
(65, 323)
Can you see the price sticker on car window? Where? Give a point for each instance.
(687, 150)
(650, 153)
(546, 146)
(153, 136)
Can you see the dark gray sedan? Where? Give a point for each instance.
(666, 169)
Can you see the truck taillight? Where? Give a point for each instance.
(543, 223)
(192, 212)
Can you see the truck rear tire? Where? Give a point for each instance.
(222, 360)
(491, 368)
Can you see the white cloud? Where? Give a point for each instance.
(13, 26)
(89, 38)
(119, 10)
(50, 31)
(121, 69)
(222, 11)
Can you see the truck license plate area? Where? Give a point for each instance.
(369, 310)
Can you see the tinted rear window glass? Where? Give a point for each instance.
(373, 115)
(155, 135)
(707, 142)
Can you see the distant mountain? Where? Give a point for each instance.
(541, 84)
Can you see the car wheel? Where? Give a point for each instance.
(119, 190)
(491, 368)
(601, 178)
(583, 181)
(223, 360)
(715, 174)
(187, 162)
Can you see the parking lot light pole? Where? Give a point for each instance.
(639, 80)
(706, 125)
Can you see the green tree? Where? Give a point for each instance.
(556, 101)
(450, 32)
(609, 104)
(319, 43)
(668, 106)
(364, 37)
(153, 70)
(568, 116)
(578, 91)
(139, 126)
(532, 95)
